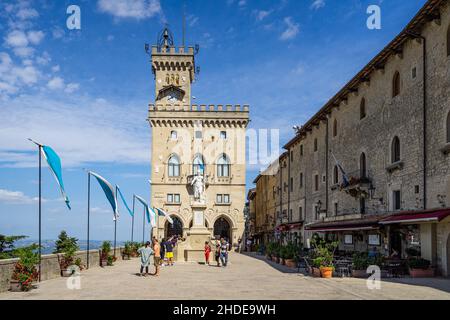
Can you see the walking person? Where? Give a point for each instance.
(224, 252)
(157, 257)
(163, 253)
(207, 252)
(217, 253)
(145, 252)
(168, 248)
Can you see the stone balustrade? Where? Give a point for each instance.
(201, 108)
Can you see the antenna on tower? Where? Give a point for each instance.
(184, 22)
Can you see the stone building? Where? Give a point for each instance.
(198, 156)
(371, 168)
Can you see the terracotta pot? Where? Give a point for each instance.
(421, 273)
(291, 263)
(359, 274)
(15, 286)
(316, 272)
(326, 272)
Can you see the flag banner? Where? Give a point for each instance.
(54, 162)
(108, 189)
(151, 217)
(344, 175)
(161, 212)
(124, 202)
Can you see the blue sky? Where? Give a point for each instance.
(85, 92)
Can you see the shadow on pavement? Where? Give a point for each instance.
(438, 283)
(276, 266)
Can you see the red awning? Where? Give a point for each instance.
(424, 216)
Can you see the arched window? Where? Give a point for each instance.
(174, 166)
(396, 84)
(363, 165)
(336, 175)
(198, 165)
(362, 109)
(395, 150)
(335, 128)
(448, 128)
(223, 166)
(448, 41)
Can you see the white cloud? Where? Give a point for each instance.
(192, 20)
(317, 4)
(27, 13)
(56, 68)
(292, 29)
(72, 87)
(15, 197)
(55, 83)
(23, 52)
(58, 33)
(35, 37)
(16, 38)
(81, 129)
(242, 3)
(261, 14)
(137, 9)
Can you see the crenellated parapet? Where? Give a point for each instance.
(220, 116)
(172, 50)
(200, 108)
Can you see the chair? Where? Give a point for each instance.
(343, 268)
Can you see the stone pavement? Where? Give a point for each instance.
(247, 277)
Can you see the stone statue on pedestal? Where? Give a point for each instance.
(198, 184)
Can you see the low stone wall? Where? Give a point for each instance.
(50, 265)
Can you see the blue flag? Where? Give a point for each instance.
(109, 192)
(161, 212)
(54, 162)
(124, 202)
(151, 216)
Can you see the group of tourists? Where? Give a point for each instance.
(221, 252)
(162, 254)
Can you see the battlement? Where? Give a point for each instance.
(172, 50)
(200, 108)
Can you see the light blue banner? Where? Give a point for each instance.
(54, 162)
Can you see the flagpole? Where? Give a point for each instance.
(40, 210)
(132, 220)
(115, 228)
(89, 205)
(143, 227)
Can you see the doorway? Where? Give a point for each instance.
(173, 229)
(222, 229)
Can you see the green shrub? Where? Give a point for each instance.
(419, 263)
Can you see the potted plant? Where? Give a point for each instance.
(25, 271)
(420, 268)
(110, 261)
(127, 251)
(291, 255)
(324, 257)
(67, 247)
(316, 262)
(283, 250)
(104, 253)
(360, 263)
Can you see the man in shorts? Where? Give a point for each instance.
(157, 256)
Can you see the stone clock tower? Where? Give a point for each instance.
(198, 156)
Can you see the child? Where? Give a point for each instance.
(207, 252)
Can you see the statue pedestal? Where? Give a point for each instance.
(197, 236)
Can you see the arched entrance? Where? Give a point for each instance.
(173, 229)
(222, 229)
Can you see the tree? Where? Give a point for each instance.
(7, 248)
(65, 243)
